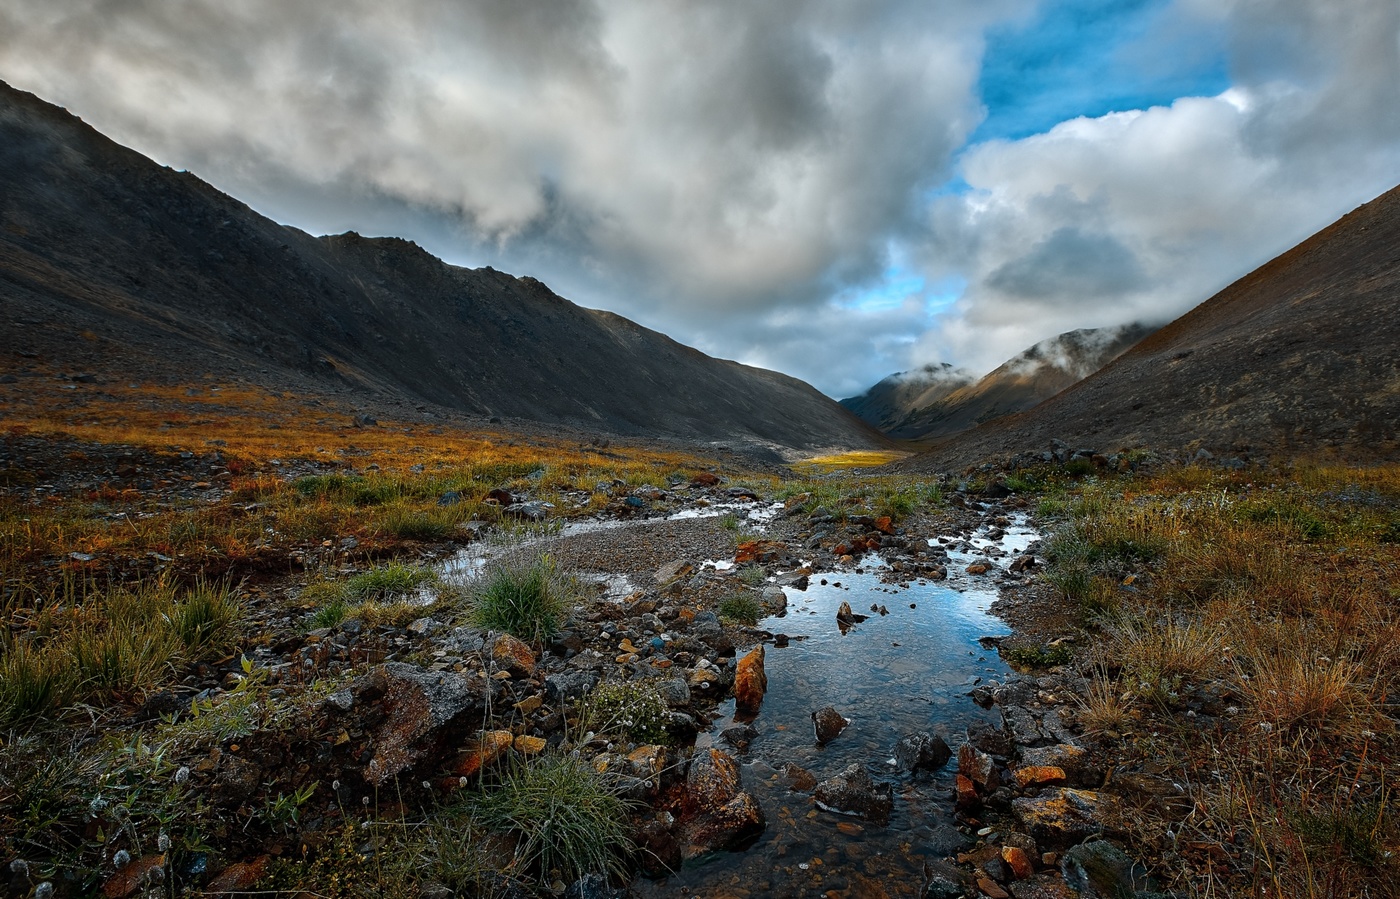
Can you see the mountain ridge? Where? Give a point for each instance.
(180, 276)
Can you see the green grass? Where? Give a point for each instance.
(525, 596)
(385, 581)
(203, 619)
(743, 608)
(752, 575)
(1039, 656)
(560, 815)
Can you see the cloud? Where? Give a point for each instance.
(734, 173)
(1140, 215)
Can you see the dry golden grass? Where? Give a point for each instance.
(844, 461)
(1277, 590)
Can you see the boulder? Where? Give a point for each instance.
(1060, 818)
(978, 767)
(750, 681)
(420, 713)
(1100, 870)
(716, 813)
(828, 724)
(673, 571)
(922, 752)
(854, 792)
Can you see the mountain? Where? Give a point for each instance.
(99, 240)
(890, 401)
(1300, 358)
(938, 401)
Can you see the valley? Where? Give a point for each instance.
(330, 569)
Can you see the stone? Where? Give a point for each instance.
(660, 851)
(480, 754)
(750, 681)
(738, 735)
(989, 739)
(450, 498)
(513, 655)
(704, 479)
(762, 551)
(799, 779)
(1039, 776)
(569, 685)
(922, 752)
(1060, 818)
(528, 745)
(716, 813)
(1043, 886)
(965, 797)
(423, 712)
(500, 496)
(943, 881)
(1018, 861)
(237, 878)
(134, 876)
(1100, 870)
(946, 841)
(854, 792)
(978, 767)
(593, 886)
(1022, 564)
(991, 889)
(531, 511)
(1079, 769)
(675, 691)
(673, 571)
(979, 568)
(647, 761)
(828, 724)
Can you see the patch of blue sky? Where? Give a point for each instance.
(1076, 58)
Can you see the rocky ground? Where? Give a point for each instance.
(419, 706)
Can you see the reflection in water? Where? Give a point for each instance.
(893, 675)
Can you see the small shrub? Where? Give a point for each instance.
(1292, 693)
(1170, 648)
(741, 607)
(526, 597)
(634, 710)
(560, 815)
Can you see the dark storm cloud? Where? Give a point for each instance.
(733, 173)
(1069, 264)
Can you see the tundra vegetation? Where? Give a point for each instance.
(1270, 594)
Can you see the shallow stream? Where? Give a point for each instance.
(892, 675)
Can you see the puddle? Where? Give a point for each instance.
(892, 675)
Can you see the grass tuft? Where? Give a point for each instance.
(742, 608)
(524, 595)
(561, 816)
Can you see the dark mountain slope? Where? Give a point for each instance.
(96, 238)
(1300, 357)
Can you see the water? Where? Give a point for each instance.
(893, 675)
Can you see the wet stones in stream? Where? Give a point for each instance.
(854, 792)
(828, 724)
(717, 814)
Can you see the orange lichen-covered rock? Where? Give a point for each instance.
(1040, 776)
(238, 878)
(513, 655)
(528, 745)
(483, 752)
(1018, 861)
(758, 551)
(717, 813)
(750, 681)
(965, 793)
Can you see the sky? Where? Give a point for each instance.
(835, 190)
